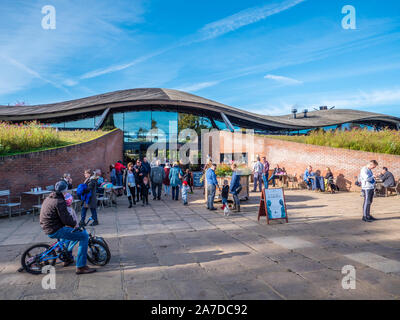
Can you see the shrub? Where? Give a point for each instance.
(33, 136)
(385, 141)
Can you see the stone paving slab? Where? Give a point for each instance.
(167, 251)
(376, 262)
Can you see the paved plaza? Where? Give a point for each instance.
(168, 251)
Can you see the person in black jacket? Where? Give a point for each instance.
(225, 194)
(145, 187)
(57, 223)
(91, 182)
(140, 173)
(330, 181)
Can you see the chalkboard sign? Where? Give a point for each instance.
(273, 205)
(196, 179)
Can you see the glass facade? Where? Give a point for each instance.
(144, 128)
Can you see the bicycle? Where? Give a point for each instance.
(40, 255)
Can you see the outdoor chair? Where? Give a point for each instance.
(8, 203)
(105, 199)
(392, 190)
(292, 181)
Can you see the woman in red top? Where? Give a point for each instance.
(166, 182)
(119, 169)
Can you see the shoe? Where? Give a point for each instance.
(372, 218)
(366, 219)
(95, 223)
(154, 199)
(130, 206)
(85, 270)
(213, 209)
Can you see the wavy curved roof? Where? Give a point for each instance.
(173, 100)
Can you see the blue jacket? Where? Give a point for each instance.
(174, 176)
(308, 175)
(211, 177)
(235, 183)
(83, 193)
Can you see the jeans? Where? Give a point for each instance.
(236, 199)
(225, 201)
(257, 180)
(368, 199)
(265, 180)
(185, 198)
(166, 189)
(175, 193)
(66, 233)
(157, 186)
(114, 180)
(119, 179)
(92, 210)
(211, 189)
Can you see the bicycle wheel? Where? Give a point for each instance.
(98, 253)
(31, 261)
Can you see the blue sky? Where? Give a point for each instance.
(262, 56)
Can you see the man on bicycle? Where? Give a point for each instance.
(57, 223)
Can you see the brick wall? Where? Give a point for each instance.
(20, 173)
(295, 157)
(345, 164)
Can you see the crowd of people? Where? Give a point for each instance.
(141, 179)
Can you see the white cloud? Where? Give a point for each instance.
(209, 31)
(245, 17)
(46, 54)
(283, 80)
(364, 99)
(198, 86)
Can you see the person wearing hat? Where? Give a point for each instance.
(185, 191)
(57, 223)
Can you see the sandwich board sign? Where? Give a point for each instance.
(273, 205)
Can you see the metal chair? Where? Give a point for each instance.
(7, 203)
(105, 199)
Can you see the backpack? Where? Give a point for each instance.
(157, 174)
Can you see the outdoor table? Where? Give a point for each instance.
(39, 194)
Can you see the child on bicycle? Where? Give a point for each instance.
(69, 199)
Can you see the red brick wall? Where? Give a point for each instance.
(345, 164)
(20, 173)
(295, 157)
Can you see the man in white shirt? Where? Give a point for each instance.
(368, 183)
(258, 169)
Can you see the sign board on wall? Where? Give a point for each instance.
(273, 205)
